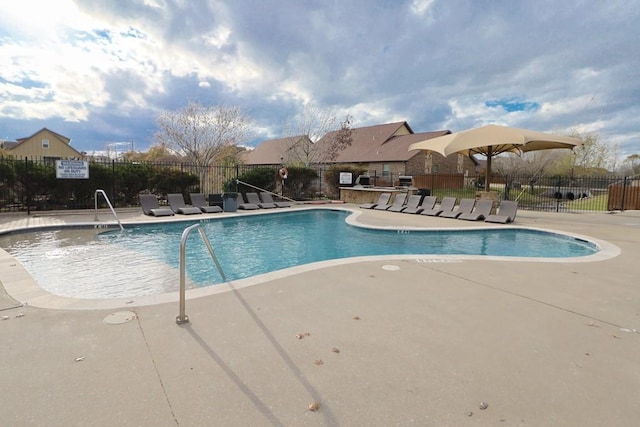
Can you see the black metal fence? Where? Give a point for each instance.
(556, 194)
(541, 193)
(31, 185)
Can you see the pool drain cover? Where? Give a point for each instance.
(119, 317)
(390, 267)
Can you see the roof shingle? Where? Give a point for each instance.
(273, 151)
(378, 143)
(381, 143)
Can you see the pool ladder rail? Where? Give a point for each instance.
(182, 317)
(95, 197)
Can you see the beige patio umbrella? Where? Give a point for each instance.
(492, 140)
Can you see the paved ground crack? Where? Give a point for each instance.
(548, 304)
(155, 367)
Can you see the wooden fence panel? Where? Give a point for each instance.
(623, 196)
(434, 182)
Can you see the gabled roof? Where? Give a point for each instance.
(61, 137)
(378, 143)
(364, 138)
(396, 149)
(382, 143)
(272, 152)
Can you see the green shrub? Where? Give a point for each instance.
(39, 184)
(131, 179)
(299, 182)
(7, 173)
(261, 177)
(165, 181)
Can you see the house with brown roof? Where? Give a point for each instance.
(278, 151)
(382, 150)
(44, 144)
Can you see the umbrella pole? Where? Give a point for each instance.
(488, 171)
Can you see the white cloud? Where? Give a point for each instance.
(565, 106)
(293, 90)
(35, 19)
(433, 63)
(218, 38)
(158, 4)
(468, 110)
(377, 112)
(421, 7)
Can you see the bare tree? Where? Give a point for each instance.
(614, 158)
(633, 162)
(156, 153)
(592, 155)
(340, 139)
(533, 163)
(203, 134)
(317, 136)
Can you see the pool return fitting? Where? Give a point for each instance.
(182, 317)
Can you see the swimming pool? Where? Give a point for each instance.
(144, 259)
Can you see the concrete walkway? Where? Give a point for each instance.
(424, 343)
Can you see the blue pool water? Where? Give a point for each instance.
(247, 246)
(146, 257)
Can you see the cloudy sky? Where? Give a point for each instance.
(99, 71)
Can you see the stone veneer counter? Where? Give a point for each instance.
(360, 195)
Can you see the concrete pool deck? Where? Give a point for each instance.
(381, 342)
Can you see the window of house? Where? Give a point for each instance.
(45, 143)
(385, 169)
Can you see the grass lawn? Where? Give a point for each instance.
(596, 203)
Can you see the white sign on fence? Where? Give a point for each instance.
(72, 169)
(346, 178)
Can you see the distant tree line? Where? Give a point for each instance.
(593, 158)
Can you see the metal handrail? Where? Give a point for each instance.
(265, 191)
(182, 317)
(95, 196)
